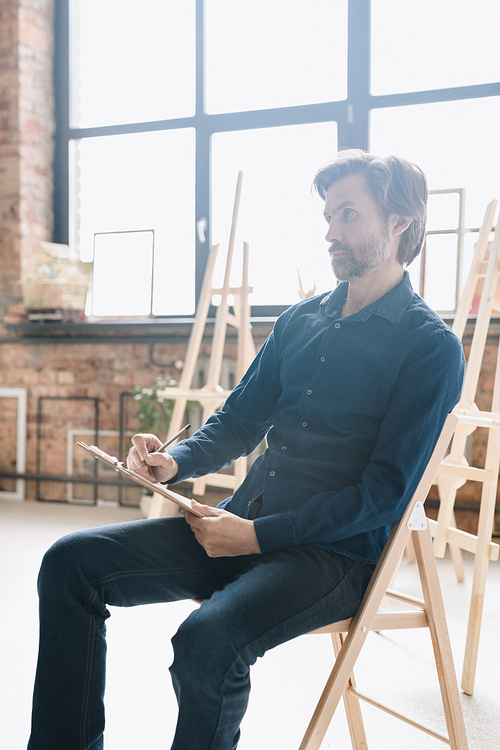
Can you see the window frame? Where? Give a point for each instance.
(352, 116)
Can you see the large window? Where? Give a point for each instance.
(160, 104)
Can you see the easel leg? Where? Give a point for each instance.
(481, 560)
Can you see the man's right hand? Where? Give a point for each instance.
(160, 467)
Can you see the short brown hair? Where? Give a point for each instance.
(397, 186)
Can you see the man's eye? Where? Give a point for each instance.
(328, 219)
(348, 213)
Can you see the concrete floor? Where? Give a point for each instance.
(141, 708)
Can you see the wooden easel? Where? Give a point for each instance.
(212, 395)
(455, 470)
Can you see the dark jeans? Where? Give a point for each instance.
(253, 603)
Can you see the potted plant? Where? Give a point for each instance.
(153, 411)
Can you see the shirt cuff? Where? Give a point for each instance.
(172, 480)
(274, 532)
(182, 456)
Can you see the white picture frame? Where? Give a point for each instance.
(22, 411)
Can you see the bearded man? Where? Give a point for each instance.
(351, 390)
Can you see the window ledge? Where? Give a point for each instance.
(123, 329)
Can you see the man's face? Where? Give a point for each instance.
(358, 235)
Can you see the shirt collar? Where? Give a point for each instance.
(391, 306)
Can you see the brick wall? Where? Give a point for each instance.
(9, 155)
(36, 123)
(77, 373)
(63, 382)
(26, 143)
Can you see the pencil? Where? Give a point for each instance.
(165, 445)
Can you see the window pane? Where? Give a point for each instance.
(455, 143)
(267, 53)
(279, 216)
(433, 44)
(443, 210)
(441, 271)
(136, 183)
(132, 61)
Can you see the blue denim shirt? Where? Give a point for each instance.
(352, 408)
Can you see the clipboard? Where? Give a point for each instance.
(184, 502)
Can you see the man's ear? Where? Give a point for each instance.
(398, 225)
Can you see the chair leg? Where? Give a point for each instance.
(440, 639)
(352, 705)
(334, 689)
(409, 549)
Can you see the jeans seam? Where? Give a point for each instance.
(88, 671)
(150, 572)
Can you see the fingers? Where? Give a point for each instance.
(191, 518)
(222, 534)
(160, 467)
(142, 445)
(198, 524)
(206, 510)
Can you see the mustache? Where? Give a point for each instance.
(342, 246)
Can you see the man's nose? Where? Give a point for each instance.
(333, 234)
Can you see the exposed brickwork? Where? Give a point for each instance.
(72, 371)
(9, 155)
(76, 373)
(36, 123)
(26, 131)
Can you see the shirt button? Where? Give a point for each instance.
(272, 473)
(283, 448)
(304, 424)
(309, 391)
(323, 359)
(337, 325)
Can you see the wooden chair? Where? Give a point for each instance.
(349, 635)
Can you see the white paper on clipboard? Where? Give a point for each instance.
(184, 502)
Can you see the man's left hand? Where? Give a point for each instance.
(222, 534)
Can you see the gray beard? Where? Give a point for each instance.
(361, 259)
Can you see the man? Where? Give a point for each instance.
(351, 389)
